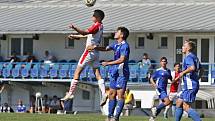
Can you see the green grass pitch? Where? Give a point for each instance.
(78, 117)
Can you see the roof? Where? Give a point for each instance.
(32, 17)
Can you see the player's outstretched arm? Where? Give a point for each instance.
(80, 31)
(76, 37)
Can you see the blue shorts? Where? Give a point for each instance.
(189, 95)
(162, 94)
(118, 82)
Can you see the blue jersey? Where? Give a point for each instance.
(161, 77)
(191, 80)
(120, 49)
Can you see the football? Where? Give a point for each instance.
(90, 3)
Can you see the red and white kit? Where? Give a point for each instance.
(94, 38)
(175, 88)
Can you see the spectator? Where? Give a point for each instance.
(49, 58)
(145, 65)
(46, 103)
(6, 108)
(129, 102)
(14, 58)
(32, 104)
(67, 104)
(145, 61)
(30, 58)
(20, 107)
(54, 105)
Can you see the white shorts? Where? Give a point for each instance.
(173, 95)
(89, 58)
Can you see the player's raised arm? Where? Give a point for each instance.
(76, 37)
(80, 31)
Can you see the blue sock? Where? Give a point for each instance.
(160, 107)
(119, 107)
(193, 114)
(111, 107)
(178, 113)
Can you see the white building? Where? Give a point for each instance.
(158, 28)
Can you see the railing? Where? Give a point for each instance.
(61, 72)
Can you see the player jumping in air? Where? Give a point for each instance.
(94, 36)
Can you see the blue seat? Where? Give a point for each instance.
(43, 73)
(72, 70)
(91, 76)
(25, 72)
(63, 71)
(54, 70)
(15, 72)
(53, 73)
(84, 74)
(134, 69)
(6, 72)
(34, 72)
(143, 74)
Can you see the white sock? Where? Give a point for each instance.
(166, 109)
(101, 84)
(73, 86)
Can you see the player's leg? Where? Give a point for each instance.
(191, 95)
(172, 96)
(101, 84)
(121, 87)
(165, 101)
(83, 61)
(73, 83)
(179, 106)
(112, 103)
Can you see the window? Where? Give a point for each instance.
(140, 42)
(105, 41)
(69, 43)
(21, 46)
(85, 95)
(163, 42)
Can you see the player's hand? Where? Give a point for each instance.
(104, 63)
(71, 26)
(71, 36)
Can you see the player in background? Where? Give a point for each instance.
(94, 36)
(119, 72)
(175, 88)
(159, 81)
(192, 72)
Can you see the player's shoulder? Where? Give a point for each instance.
(125, 44)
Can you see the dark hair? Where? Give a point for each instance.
(99, 14)
(177, 63)
(163, 58)
(125, 32)
(145, 54)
